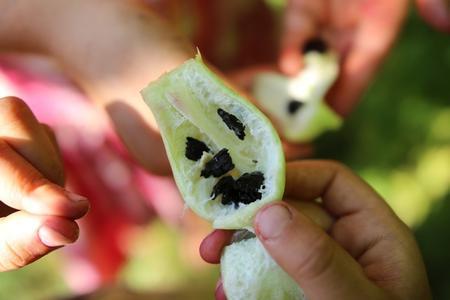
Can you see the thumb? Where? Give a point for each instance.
(319, 265)
(25, 238)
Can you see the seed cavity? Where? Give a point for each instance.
(219, 165)
(246, 189)
(293, 106)
(315, 44)
(195, 149)
(232, 123)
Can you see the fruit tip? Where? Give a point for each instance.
(198, 55)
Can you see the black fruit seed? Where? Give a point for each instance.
(315, 44)
(294, 106)
(244, 190)
(226, 187)
(248, 186)
(195, 149)
(232, 123)
(219, 165)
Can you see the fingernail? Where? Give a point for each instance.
(52, 200)
(75, 197)
(54, 236)
(272, 220)
(80, 205)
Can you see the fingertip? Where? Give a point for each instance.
(271, 220)
(212, 246)
(27, 237)
(81, 203)
(290, 62)
(57, 232)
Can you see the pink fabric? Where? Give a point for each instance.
(122, 195)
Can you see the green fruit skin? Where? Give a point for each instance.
(324, 119)
(172, 131)
(249, 273)
(272, 91)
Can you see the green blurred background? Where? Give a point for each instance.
(398, 139)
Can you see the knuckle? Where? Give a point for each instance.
(13, 258)
(14, 113)
(336, 165)
(34, 183)
(317, 261)
(9, 99)
(14, 108)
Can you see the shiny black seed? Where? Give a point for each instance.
(227, 187)
(294, 106)
(195, 149)
(248, 186)
(232, 123)
(315, 44)
(219, 165)
(225, 184)
(244, 190)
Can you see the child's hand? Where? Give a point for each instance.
(365, 253)
(362, 31)
(41, 212)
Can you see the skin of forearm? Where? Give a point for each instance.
(15, 29)
(111, 49)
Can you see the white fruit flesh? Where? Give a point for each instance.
(185, 103)
(249, 273)
(273, 92)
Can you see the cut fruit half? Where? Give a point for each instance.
(296, 105)
(249, 273)
(226, 157)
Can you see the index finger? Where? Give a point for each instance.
(341, 191)
(21, 130)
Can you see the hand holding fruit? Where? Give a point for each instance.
(38, 214)
(365, 253)
(361, 31)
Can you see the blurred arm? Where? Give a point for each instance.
(112, 49)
